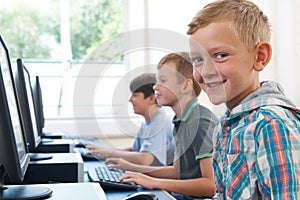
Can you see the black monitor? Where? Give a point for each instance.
(24, 93)
(28, 114)
(38, 102)
(14, 156)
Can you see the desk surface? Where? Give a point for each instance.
(76, 191)
(114, 195)
(65, 191)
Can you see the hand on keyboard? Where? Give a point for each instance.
(109, 177)
(106, 152)
(86, 155)
(120, 163)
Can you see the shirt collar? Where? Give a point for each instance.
(187, 111)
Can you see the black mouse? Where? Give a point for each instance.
(143, 195)
(80, 145)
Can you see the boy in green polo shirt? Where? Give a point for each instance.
(191, 174)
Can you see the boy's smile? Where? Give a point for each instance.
(221, 62)
(167, 87)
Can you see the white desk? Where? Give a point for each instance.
(60, 191)
(76, 191)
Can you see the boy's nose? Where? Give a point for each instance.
(209, 69)
(130, 98)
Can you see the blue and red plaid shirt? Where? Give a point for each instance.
(257, 149)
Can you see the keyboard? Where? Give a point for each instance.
(84, 152)
(109, 177)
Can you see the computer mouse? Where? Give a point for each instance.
(143, 195)
(80, 145)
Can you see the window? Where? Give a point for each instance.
(100, 57)
(57, 38)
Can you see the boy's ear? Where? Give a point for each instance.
(152, 98)
(188, 84)
(263, 55)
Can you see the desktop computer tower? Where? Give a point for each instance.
(54, 146)
(54, 135)
(61, 168)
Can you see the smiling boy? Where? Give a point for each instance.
(190, 176)
(257, 142)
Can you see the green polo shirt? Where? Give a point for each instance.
(193, 138)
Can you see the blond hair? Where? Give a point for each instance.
(183, 65)
(243, 16)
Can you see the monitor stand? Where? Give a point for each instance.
(18, 192)
(24, 192)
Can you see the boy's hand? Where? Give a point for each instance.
(119, 163)
(140, 179)
(94, 149)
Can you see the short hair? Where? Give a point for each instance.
(244, 17)
(143, 83)
(183, 66)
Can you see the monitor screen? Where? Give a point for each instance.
(28, 114)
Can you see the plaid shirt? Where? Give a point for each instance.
(257, 151)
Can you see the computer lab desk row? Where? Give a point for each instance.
(92, 191)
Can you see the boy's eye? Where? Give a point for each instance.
(197, 61)
(221, 55)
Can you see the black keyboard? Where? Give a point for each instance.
(109, 178)
(84, 152)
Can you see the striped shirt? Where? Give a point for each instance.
(257, 151)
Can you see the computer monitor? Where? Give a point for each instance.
(14, 156)
(38, 102)
(24, 93)
(28, 114)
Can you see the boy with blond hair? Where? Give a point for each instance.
(191, 174)
(257, 141)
